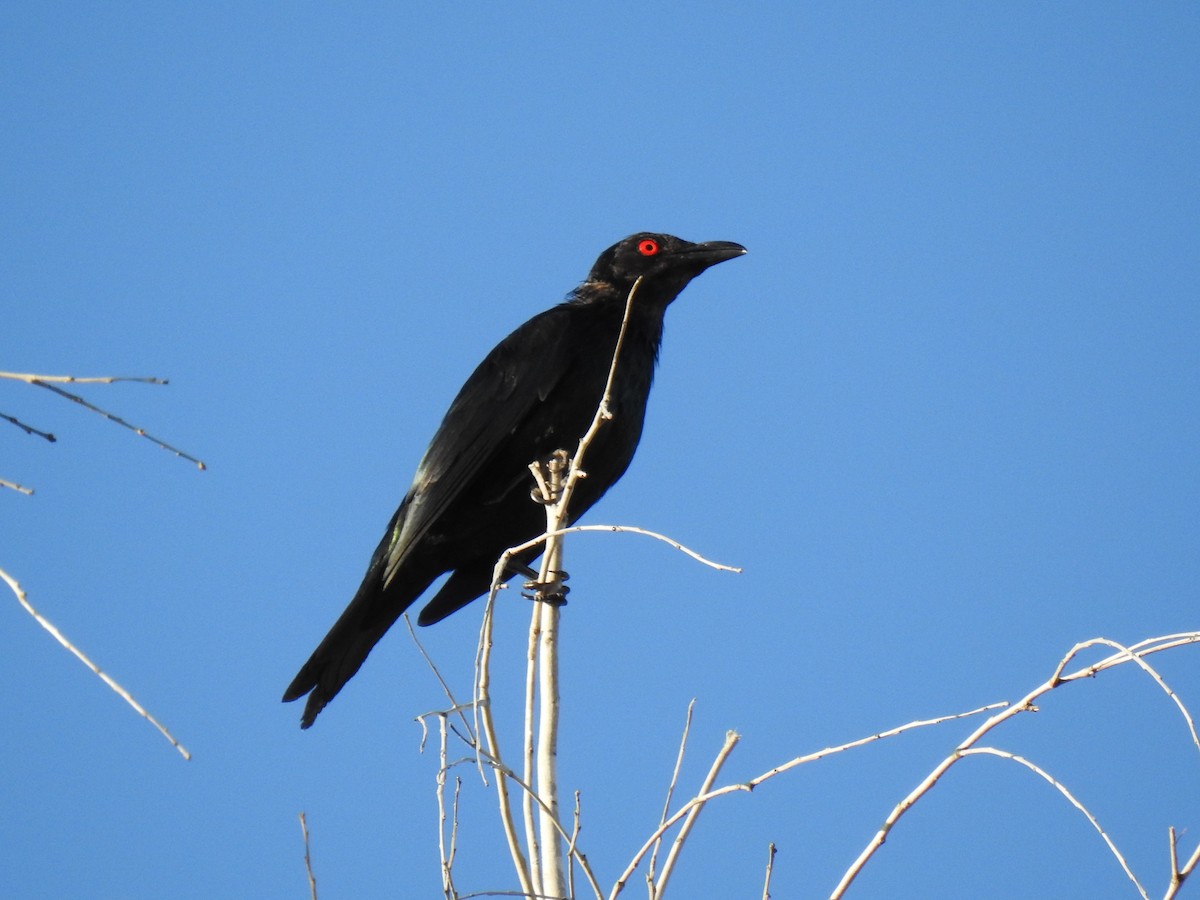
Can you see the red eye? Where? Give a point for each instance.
(648, 247)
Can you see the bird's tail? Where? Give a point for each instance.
(370, 614)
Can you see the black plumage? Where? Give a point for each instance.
(535, 393)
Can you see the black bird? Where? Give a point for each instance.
(535, 393)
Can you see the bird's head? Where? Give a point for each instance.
(664, 263)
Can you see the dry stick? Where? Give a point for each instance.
(486, 726)
(20, 489)
(731, 739)
(498, 573)
(30, 378)
(571, 851)
(651, 867)
(1127, 654)
(79, 654)
(1152, 645)
(113, 418)
(447, 858)
(512, 776)
(755, 782)
(454, 820)
(48, 381)
(527, 771)
(455, 706)
(1177, 874)
(546, 618)
(770, 866)
(312, 882)
(29, 429)
(553, 873)
(1062, 789)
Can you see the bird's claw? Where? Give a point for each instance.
(553, 591)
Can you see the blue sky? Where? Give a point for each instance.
(944, 414)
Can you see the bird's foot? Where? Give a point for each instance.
(549, 477)
(553, 591)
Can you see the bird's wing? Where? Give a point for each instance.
(516, 376)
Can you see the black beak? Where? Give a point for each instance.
(710, 253)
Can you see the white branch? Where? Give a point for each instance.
(1062, 789)
(82, 657)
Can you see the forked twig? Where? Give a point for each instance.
(750, 785)
(49, 382)
(1133, 654)
(1178, 873)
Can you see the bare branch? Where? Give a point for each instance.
(141, 432)
(30, 378)
(1178, 875)
(1133, 654)
(651, 867)
(509, 775)
(891, 732)
(312, 882)
(527, 744)
(12, 485)
(1061, 788)
(29, 429)
(1128, 654)
(455, 705)
(754, 782)
(79, 654)
(731, 739)
(770, 866)
(487, 727)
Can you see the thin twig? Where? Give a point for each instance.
(546, 617)
(502, 564)
(30, 378)
(603, 413)
(731, 739)
(446, 856)
(527, 745)
(455, 705)
(29, 429)
(12, 485)
(79, 654)
(485, 725)
(750, 785)
(141, 432)
(1178, 875)
(512, 776)
(1133, 654)
(1129, 654)
(652, 866)
(576, 826)
(312, 881)
(770, 867)
(1062, 789)
(891, 732)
